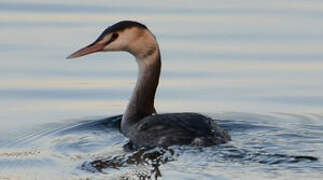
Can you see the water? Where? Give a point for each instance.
(256, 66)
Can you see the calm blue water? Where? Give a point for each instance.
(256, 66)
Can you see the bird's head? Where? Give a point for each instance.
(129, 36)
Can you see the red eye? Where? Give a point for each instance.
(114, 36)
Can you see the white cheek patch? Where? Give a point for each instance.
(105, 39)
(121, 42)
(126, 40)
(127, 35)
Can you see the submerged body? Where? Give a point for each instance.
(176, 129)
(140, 122)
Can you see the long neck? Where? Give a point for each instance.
(142, 100)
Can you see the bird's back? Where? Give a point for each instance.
(177, 129)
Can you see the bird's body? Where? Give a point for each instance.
(176, 128)
(140, 122)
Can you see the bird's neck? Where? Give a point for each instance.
(142, 100)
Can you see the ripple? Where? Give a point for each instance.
(94, 146)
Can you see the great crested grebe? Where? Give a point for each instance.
(140, 121)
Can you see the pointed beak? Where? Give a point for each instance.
(92, 48)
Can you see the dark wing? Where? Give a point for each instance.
(177, 128)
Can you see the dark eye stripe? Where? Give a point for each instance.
(120, 26)
(114, 37)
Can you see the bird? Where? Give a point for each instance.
(141, 123)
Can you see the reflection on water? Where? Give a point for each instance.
(253, 57)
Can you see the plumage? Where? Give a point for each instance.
(140, 122)
(177, 128)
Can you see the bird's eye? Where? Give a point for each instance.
(114, 36)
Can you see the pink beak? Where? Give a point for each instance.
(92, 48)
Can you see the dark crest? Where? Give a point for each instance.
(120, 26)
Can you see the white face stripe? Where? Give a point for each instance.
(122, 42)
(105, 39)
(137, 41)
